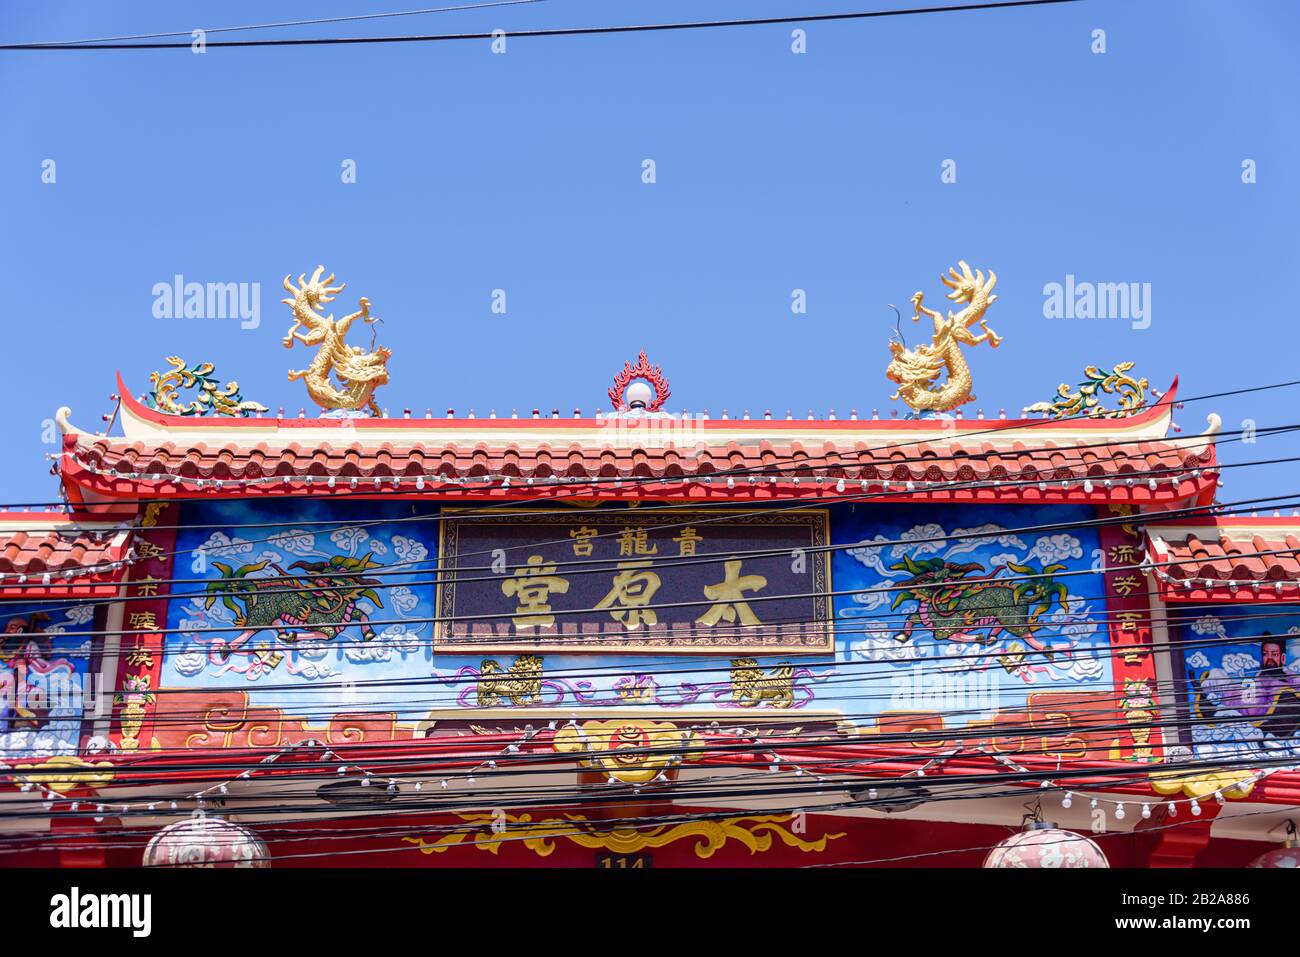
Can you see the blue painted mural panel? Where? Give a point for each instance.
(45, 680)
(317, 607)
(1241, 672)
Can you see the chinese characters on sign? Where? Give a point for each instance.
(689, 581)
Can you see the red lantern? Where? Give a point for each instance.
(1288, 855)
(206, 842)
(1282, 857)
(1042, 844)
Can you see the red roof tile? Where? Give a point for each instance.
(1130, 472)
(70, 559)
(1229, 562)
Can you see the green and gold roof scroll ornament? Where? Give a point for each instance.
(1085, 399)
(212, 399)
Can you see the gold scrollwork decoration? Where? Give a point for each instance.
(1129, 392)
(63, 773)
(1231, 784)
(486, 832)
(213, 398)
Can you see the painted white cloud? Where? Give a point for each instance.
(1056, 548)
(312, 650)
(359, 653)
(189, 663)
(1082, 667)
(80, 614)
(871, 555)
(401, 638)
(989, 537)
(408, 549)
(922, 535)
(314, 672)
(220, 544)
(295, 541)
(348, 538)
(885, 648)
(1072, 626)
(1209, 625)
(403, 599)
(1238, 662)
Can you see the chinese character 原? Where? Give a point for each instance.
(631, 593)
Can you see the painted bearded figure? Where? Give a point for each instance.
(22, 642)
(1270, 699)
(23, 636)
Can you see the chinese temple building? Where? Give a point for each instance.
(646, 636)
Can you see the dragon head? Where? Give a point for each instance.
(234, 582)
(1040, 591)
(934, 571)
(314, 291)
(966, 285)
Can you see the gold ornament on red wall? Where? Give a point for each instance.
(629, 751)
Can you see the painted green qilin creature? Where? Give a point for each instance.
(322, 604)
(954, 608)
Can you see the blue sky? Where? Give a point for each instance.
(775, 172)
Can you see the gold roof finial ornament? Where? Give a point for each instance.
(212, 398)
(359, 372)
(915, 371)
(1086, 399)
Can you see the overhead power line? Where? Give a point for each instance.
(293, 23)
(1046, 479)
(552, 32)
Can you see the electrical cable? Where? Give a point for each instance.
(553, 32)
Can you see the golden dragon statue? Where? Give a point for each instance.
(358, 372)
(915, 371)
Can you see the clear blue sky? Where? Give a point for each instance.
(775, 171)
